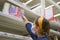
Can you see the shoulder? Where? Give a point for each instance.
(29, 24)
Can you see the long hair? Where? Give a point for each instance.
(44, 25)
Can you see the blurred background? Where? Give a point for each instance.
(11, 12)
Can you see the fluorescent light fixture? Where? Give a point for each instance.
(27, 2)
(36, 5)
(54, 3)
(57, 15)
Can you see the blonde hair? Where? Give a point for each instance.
(40, 21)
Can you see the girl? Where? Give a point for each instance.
(39, 30)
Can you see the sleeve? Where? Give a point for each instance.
(28, 27)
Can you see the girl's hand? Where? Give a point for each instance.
(25, 19)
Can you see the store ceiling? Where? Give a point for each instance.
(34, 2)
